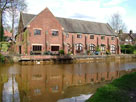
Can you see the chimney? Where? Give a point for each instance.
(131, 32)
(120, 32)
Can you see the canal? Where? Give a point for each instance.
(58, 82)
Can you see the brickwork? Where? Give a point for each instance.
(47, 23)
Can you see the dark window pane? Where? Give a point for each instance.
(91, 36)
(37, 32)
(55, 33)
(112, 38)
(79, 36)
(37, 48)
(102, 37)
(54, 48)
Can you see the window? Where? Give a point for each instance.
(54, 48)
(55, 88)
(113, 49)
(92, 47)
(37, 91)
(79, 48)
(79, 36)
(102, 37)
(37, 32)
(55, 33)
(37, 48)
(102, 47)
(91, 36)
(112, 38)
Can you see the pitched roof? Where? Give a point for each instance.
(126, 35)
(77, 26)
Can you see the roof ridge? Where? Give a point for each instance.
(68, 18)
(82, 20)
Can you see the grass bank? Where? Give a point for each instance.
(120, 90)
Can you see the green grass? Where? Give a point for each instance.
(117, 91)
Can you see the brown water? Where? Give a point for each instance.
(49, 83)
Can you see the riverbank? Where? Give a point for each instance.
(6, 59)
(48, 59)
(120, 90)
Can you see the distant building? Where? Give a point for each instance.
(127, 38)
(8, 35)
(45, 32)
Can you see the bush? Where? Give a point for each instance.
(134, 52)
(98, 49)
(47, 53)
(107, 52)
(2, 58)
(127, 49)
(61, 52)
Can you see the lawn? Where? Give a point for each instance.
(120, 90)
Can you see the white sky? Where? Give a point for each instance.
(93, 10)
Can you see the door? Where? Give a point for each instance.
(20, 50)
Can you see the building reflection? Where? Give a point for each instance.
(47, 82)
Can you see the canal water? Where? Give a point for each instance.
(58, 82)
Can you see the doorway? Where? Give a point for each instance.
(20, 50)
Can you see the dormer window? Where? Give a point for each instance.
(67, 35)
(102, 37)
(79, 36)
(91, 36)
(37, 32)
(55, 32)
(112, 38)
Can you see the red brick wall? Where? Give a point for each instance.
(46, 22)
(88, 41)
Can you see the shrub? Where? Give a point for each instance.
(127, 49)
(98, 49)
(2, 58)
(107, 52)
(61, 52)
(47, 53)
(134, 52)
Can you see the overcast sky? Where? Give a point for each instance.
(93, 10)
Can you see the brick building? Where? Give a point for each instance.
(45, 32)
(127, 38)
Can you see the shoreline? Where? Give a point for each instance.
(117, 91)
(30, 60)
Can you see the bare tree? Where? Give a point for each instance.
(14, 13)
(12, 5)
(117, 23)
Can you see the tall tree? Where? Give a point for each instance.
(14, 12)
(13, 5)
(117, 23)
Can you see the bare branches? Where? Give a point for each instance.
(12, 9)
(117, 23)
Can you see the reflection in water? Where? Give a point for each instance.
(48, 83)
(10, 91)
(81, 98)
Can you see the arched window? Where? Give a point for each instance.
(113, 49)
(92, 47)
(69, 47)
(79, 47)
(103, 47)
